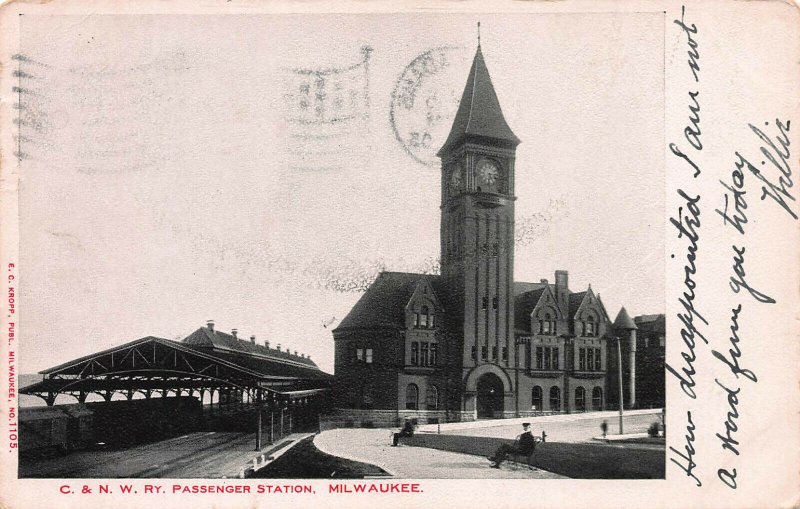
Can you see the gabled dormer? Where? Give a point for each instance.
(546, 317)
(587, 314)
(424, 309)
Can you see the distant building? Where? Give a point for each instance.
(472, 342)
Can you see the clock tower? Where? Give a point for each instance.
(477, 232)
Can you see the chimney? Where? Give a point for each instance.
(562, 287)
(266, 343)
(253, 339)
(234, 332)
(562, 279)
(210, 325)
(279, 347)
(543, 281)
(295, 353)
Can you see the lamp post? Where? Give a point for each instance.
(619, 369)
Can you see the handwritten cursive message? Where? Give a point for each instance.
(770, 178)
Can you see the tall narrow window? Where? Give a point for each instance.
(590, 326)
(484, 352)
(582, 359)
(423, 317)
(494, 302)
(555, 358)
(494, 352)
(430, 320)
(484, 303)
(423, 357)
(412, 397)
(432, 397)
(539, 361)
(368, 355)
(555, 398)
(416, 319)
(536, 398)
(590, 359)
(597, 398)
(505, 354)
(414, 353)
(359, 354)
(474, 353)
(434, 354)
(545, 324)
(580, 398)
(547, 357)
(598, 366)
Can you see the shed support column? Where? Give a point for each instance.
(258, 421)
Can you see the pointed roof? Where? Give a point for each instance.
(479, 112)
(623, 321)
(384, 302)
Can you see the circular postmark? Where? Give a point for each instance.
(425, 100)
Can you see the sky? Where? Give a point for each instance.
(259, 170)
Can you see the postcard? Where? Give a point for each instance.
(291, 254)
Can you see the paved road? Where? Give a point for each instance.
(372, 446)
(196, 455)
(565, 428)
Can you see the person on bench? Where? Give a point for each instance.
(523, 445)
(407, 431)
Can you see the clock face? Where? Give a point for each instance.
(488, 171)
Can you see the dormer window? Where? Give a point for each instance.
(425, 318)
(547, 325)
(589, 327)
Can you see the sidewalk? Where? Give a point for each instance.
(517, 421)
(373, 446)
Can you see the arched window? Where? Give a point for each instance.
(412, 397)
(432, 397)
(555, 398)
(536, 398)
(580, 398)
(423, 316)
(597, 398)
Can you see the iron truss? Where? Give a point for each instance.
(160, 366)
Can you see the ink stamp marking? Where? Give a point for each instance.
(424, 102)
(326, 114)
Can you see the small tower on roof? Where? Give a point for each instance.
(624, 323)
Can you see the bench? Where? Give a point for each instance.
(517, 459)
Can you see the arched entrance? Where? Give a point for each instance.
(489, 396)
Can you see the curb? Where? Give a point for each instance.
(260, 461)
(355, 458)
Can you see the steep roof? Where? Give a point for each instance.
(575, 301)
(523, 306)
(623, 320)
(521, 287)
(479, 112)
(242, 349)
(383, 304)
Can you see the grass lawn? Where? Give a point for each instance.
(305, 461)
(576, 460)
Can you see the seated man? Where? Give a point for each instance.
(523, 445)
(407, 431)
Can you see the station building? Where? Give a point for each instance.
(472, 342)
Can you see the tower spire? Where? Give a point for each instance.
(479, 34)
